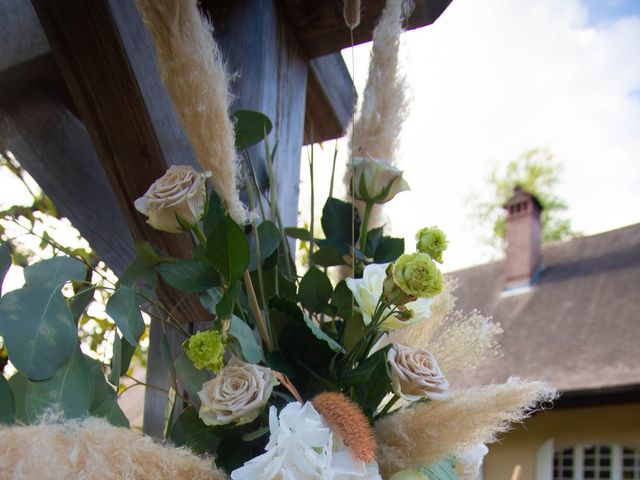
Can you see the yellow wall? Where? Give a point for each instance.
(610, 424)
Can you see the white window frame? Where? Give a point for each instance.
(546, 452)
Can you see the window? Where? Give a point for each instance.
(596, 462)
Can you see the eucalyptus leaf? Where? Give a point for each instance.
(99, 385)
(5, 262)
(38, 329)
(250, 127)
(124, 309)
(189, 431)
(7, 402)
(194, 275)
(189, 376)
(251, 349)
(54, 271)
(228, 250)
(120, 360)
(111, 411)
(81, 300)
(224, 308)
(210, 299)
(168, 361)
(142, 270)
(69, 391)
(18, 383)
(315, 290)
(445, 469)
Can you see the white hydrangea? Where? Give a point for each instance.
(302, 447)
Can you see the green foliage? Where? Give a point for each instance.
(340, 224)
(121, 359)
(315, 290)
(189, 431)
(124, 308)
(189, 376)
(194, 275)
(250, 127)
(7, 402)
(228, 250)
(5, 262)
(445, 469)
(269, 238)
(243, 334)
(538, 173)
(39, 330)
(54, 272)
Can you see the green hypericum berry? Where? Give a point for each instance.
(206, 349)
(432, 241)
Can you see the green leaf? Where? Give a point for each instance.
(189, 376)
(298, 233)
(328, 256)
(69, 391)
(338, 219)
(369, 394)
(445, 469)
(373, 240)
(121, 359)
(124, 309)
(320, 335)
(389, 249)
(194, 275)
(285, 288)
(7, 402)
(38, 329)
(215, 213)
(54, 272)
(142, 270)
(228, 250)
(210, 299)
(224, 308)
(189, 431)
(269, 237)
(276, 361)
(80, 301)
(250, 127)
(315, 290)
(18, 383)
(111, 411)
(353, 331)
(5, 262)
(342, 300)
(100, 387)
(251, 349)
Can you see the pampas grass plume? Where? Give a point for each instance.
(351, 13)
(197, 81)
(92, 449)
(347, 420)
(423, 434)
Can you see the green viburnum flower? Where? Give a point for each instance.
(432, 241)
(206, 349)
(412, 276)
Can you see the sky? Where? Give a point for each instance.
(494, 78)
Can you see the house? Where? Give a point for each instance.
(571, 316)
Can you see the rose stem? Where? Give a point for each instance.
(365, 225)
(253, 300)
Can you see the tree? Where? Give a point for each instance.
(537, 172)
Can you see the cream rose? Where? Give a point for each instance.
(415, 374)
(237, 394)
(181, 192)
(376, 181)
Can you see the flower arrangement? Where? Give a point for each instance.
(299, 375)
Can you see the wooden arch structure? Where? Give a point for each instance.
(83, 109)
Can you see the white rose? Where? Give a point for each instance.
(376, 181)
(367, 291)
(415, 374)
(181, 192)
(237, 394)
(301, 445)
(468, 462)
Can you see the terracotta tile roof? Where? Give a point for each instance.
(578, 326)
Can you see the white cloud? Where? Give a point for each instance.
(493, 78)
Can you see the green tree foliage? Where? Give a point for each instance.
(537, 172)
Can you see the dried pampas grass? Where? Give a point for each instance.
(423, 434)
(195, 76)
(92, 449)
(351, 13)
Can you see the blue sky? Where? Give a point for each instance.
(601, 11)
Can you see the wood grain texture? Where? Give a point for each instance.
(330, 99)
(259, 46)
(55, 148)
(320, 27)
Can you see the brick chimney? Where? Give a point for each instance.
(523, 238)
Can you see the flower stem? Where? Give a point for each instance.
(365, 225)
(202, 240)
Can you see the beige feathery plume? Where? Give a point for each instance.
(351, 13)
(195, 76)
(423, 434)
